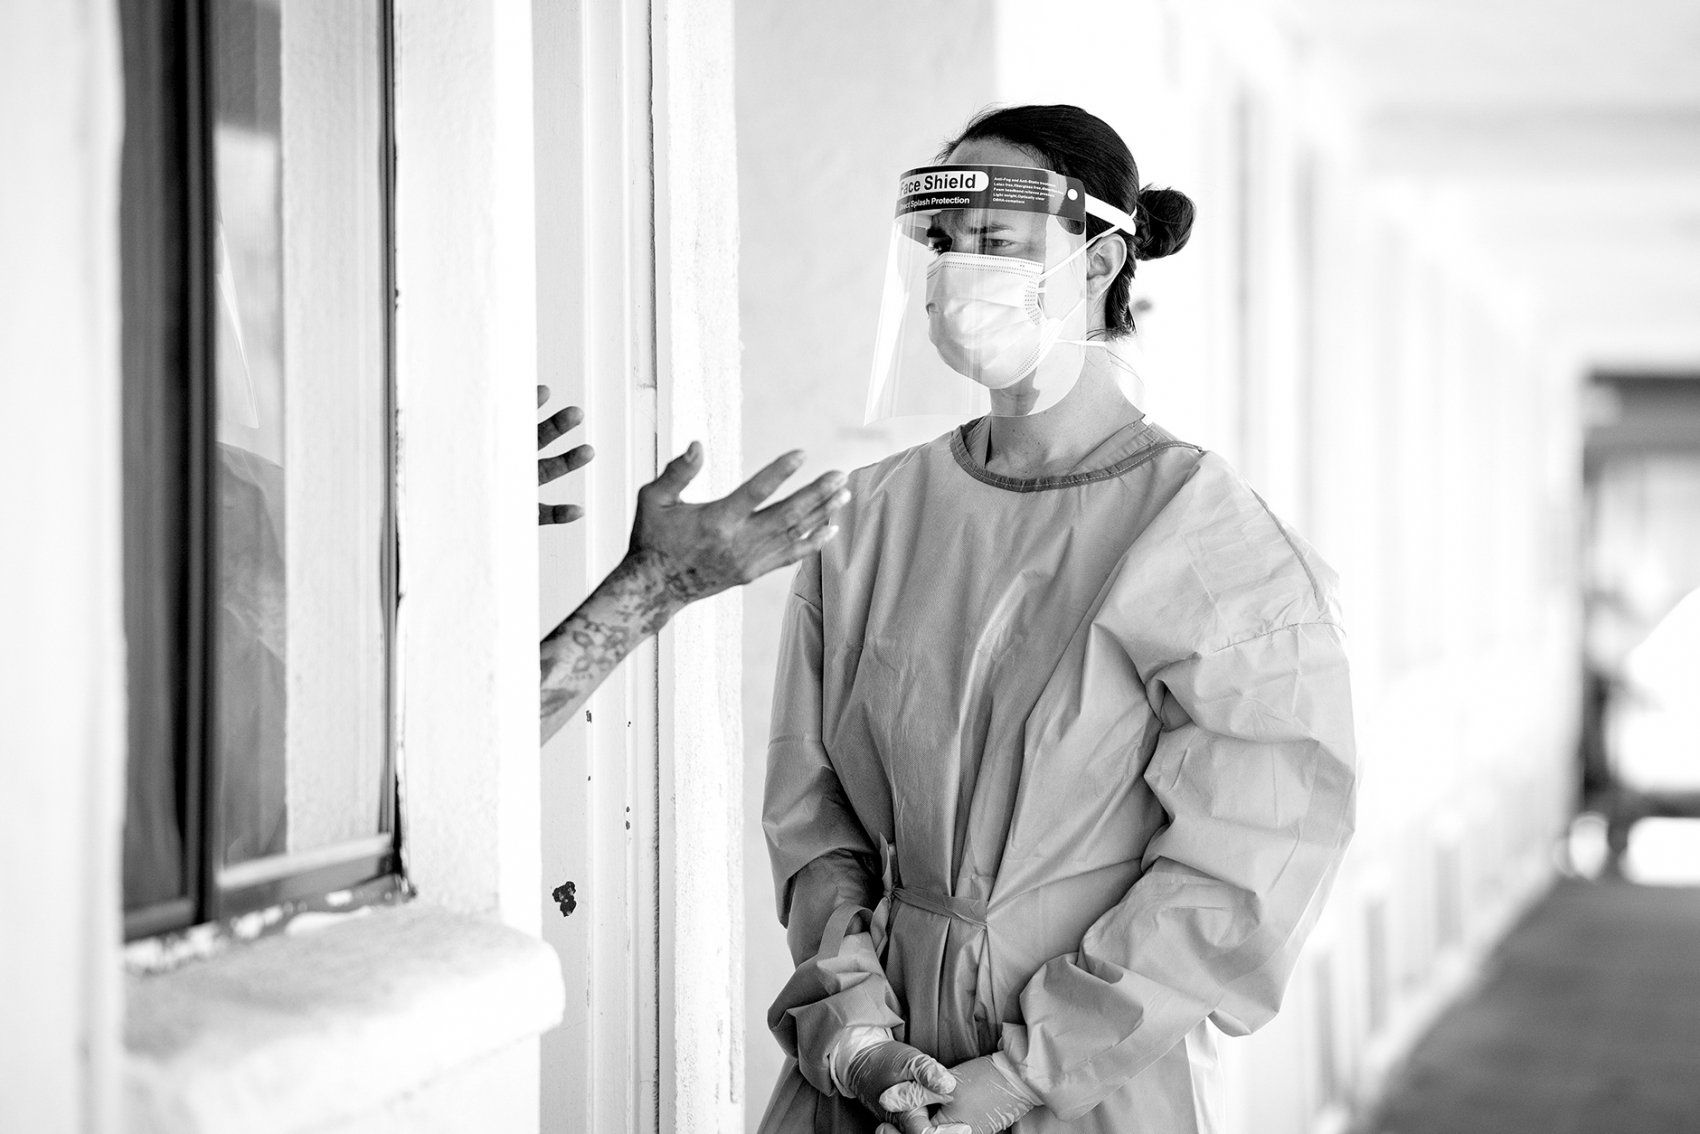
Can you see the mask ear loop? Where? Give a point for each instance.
(1111, 216)
(1117, 220)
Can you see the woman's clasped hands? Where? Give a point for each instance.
(916, 1094)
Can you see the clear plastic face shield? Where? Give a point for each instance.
(987, 300)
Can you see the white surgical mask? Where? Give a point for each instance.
(985, 318)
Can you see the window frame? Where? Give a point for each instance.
(371, 868)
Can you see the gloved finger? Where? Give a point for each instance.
(912, 1122)
(909, 1095)
(557, 424)
(887, 1128)
(679, 473)
(749, 495)
(929, 1072)
(553, 468)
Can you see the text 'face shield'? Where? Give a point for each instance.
(986, 297)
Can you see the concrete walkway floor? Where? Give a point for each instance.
(1586, 1021)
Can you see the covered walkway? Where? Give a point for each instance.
(1586, 1020)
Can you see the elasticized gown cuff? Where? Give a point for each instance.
(851, 1042)
(1006, 1059)
(1006, 1067)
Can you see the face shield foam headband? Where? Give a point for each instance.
(989, 271)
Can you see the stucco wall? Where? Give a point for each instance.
(61, 668)
(465, 356)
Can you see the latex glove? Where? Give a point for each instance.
(985, 1100)
(898, 1083)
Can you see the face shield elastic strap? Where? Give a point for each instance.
(1111, 216)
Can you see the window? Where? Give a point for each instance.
(259, 539)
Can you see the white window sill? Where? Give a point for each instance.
(308, 1028)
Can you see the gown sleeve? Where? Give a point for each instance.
(1254, 767)
(825, 867)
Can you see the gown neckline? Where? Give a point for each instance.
(1139, 443)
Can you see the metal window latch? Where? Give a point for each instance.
(566, 895)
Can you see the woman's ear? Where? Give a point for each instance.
(1104, 263)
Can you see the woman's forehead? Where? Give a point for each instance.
(993, 151)
(961, 222)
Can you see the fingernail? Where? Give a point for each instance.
(795, 457)
(826, 535)
(694, 451)
(841, 498)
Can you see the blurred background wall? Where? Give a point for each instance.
(1393, 296)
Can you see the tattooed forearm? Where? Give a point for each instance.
(636, 599)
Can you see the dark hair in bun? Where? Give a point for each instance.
(1165, 222)
(1077, 144)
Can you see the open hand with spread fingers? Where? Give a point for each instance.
(702, 549)
(550, 430)
(679, 553)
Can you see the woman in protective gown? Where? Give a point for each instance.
(1061, 764)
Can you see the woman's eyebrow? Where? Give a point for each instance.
(934, 232)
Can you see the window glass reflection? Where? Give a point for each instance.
(300, 479)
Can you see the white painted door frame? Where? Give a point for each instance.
(637, 323)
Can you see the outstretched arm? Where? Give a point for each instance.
(680, 553)
(633, 602)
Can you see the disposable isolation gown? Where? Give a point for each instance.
(1081, 748)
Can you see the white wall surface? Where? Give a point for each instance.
(1391, 394)
(62, 730)
(696, 242)
(465, 357)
